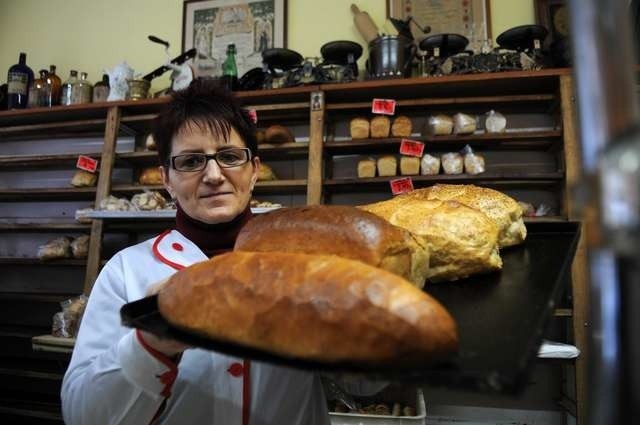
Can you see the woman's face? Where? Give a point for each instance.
(215, 194)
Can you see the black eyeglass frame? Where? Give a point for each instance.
(209, 157)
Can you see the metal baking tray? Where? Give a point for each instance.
(501, 319)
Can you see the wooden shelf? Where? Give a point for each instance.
(11, 162)
(563, 312)
(538, 140)
(515, 83)
(281, 187)
(503, 178)
(49, 225)
(21, 261)
(48, 194)
(53, 344)
(544, 219)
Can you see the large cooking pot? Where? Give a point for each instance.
(390, 57)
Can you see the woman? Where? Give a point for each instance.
(207, 148)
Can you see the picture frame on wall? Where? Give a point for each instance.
(554, 16)
(252, 25)
(470, 18)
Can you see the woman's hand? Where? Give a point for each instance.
(168, 347)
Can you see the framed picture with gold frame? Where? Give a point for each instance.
(252, 25)
(470, 18)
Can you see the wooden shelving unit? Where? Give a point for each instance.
(541, 92)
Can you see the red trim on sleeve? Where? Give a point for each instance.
(168, 377)
(159, 256)
(246, 392)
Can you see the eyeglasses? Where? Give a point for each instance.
(227, 158)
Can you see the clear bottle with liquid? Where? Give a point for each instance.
(81, 90)
(67, 88)
(38, 90)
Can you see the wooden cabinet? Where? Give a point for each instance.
(536, 161)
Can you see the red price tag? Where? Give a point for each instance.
(402, 185)
(383, 106)
(411, 148)
(253, 115)
(87, 163)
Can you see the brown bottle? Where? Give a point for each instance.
(54, 88)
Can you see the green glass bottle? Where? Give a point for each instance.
(229, 78)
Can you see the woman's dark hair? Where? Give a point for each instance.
(210, 108)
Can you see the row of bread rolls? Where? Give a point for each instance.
(439, 125)
(452, 163)
(64, 247)
(380, 126)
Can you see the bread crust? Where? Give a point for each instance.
(314, 307)
(338, 230)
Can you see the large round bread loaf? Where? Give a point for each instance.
(462, 241)
(338, 230)
(314, 307)
(502, 209)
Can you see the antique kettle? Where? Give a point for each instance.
(390, 57)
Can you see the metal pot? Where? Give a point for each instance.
(390, 57)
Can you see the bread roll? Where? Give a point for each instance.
(150, 176)
(278, 134)
(429, 165)
(312, 307)
(359, 128)
(380, 126)
(83, 178)
(367, 168)
(409, 165)
(265, 173)
(505, 211)
(439, 125)
(387, 166)
(338, 230)
(260, 136)
(452, 163)
(401, 127)
(462, 241)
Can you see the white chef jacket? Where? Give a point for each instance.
(114, 379)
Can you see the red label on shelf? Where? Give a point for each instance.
(87, 163)
(402, 185)
(253, 114)
(383, 106)
(411, 148)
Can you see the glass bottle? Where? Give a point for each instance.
(67, 88)
(19, 78)
(101, 90)
(38, 90)
(81, 90)
(84, 90)
(229, 78)
(54, 86)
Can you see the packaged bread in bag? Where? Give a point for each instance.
(464, 124)
(54, 249)
(495, 122)
(83, 178)
(473, 163)
(439, 125)
(429, 165)
(452, 163)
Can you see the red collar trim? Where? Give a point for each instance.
(159, 256)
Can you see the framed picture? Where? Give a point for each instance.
(470, 18)
(252, 25)
(554, 16)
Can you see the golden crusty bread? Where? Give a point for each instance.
(150, 176)
(502, 209)
(462, 241)
(314, 307)
(338, 230)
